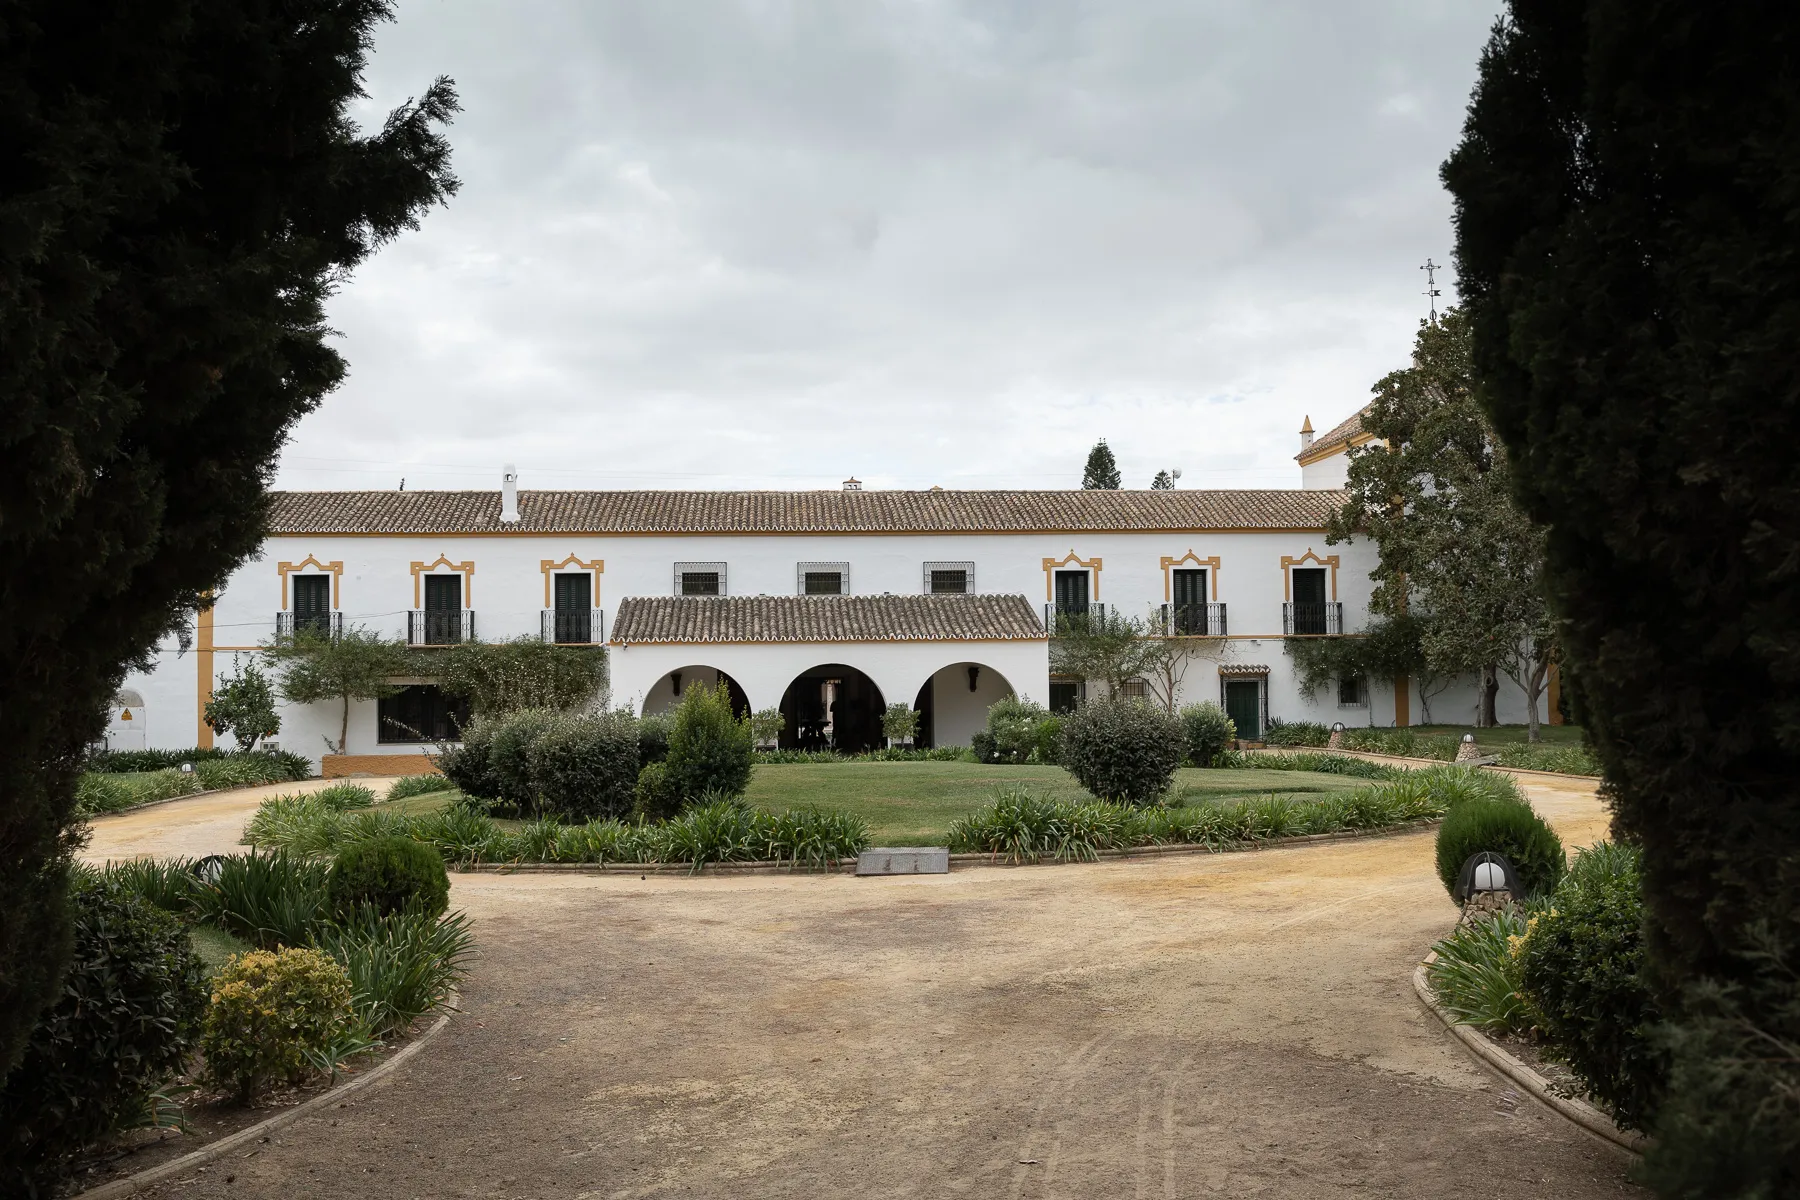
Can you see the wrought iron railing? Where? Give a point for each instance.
(573, 626)
(1306, 620)
(440, 627)
(322, 624)
(1188, 620)
(1063, 616)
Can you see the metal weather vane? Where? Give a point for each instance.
(1431, 288)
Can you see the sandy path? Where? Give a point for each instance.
(1228, 1025)
(192, 828)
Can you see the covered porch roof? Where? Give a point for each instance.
(740, 620)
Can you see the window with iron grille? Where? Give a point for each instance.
(1353, 692)
(822, 578)
(949, 578)
(1135, 689)
(700, 579)
(421, 712)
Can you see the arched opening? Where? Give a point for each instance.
(832, 707)
(953, 703)
(665, 695)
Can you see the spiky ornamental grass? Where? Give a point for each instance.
(1477, 973)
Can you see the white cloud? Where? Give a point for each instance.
(716, 243)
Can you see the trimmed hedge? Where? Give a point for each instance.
(1506, 826)
(388, 874)
(585, 766)
(1208, 731)
(128, 1013)
(279, 765)
(711, 750)
(1123, 749)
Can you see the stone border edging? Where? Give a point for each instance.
(133, 1184)
(1580, 1112)
(848, 867)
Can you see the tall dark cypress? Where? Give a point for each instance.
(182, 186)
(1628, 243)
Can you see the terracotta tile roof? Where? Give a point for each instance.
(800, 512)
(1243, 669)
(1339, 435)
(825, 619)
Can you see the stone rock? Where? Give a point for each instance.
(904, 860)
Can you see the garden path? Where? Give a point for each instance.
(1215, 1025)
(194, 827)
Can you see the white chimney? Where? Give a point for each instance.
(853, 484)
(509, 495)
(1306, 434)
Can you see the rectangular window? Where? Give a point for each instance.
(1135, 689)
(1353, 692)
(822, 578)
(312, 603)
(443, 593)
(949, 578)
(1189, 593)
(1072, 592)
(1065, 694)
(700, 579)
(1311, 615)
(421, 712)
(574, 591)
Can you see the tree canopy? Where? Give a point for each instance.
(1434, 492)
(1102, 470)
(354, 665)
(1627, 189)
(184, 186)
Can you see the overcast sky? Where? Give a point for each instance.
(765, 244)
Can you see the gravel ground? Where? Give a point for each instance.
(1230, 1025)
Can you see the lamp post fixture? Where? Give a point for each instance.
(1337, 736)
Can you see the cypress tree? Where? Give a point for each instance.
(1627, 193)
(183, 188)
(1102, 471)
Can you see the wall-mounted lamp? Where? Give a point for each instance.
(675, 678)
(974, 677)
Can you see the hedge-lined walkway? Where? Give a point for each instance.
(1230, 1025)
(194, 827)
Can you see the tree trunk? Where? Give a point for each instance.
(1534, 689)
(1490, 689)
(344, 729)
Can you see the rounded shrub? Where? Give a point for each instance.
(127, 1015)
(1012, 731)
(1208, 731)
(585, 766)
(342, 797)
(388, 874)
(1581, 971)
(654, 799)
(271, 1010)
(653, 737)
(1508, 827)
(469, 766)
(710, 749)
(1123, 749)
(509, 755)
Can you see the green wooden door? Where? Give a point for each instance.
(1243, 704)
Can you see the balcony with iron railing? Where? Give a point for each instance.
(318, 624)
(1064, 616)
(1188, 620)
(573, 626)
(1312, 620)
(440, 627)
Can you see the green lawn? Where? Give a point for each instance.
(913, 803)
(214, 946)
(1507, 735)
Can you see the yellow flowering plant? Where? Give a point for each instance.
(271, 1011)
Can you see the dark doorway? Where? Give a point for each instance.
(1243, 704)
(832, 707)
(1190, 603)
(1065, 695)
(1071, 593)
(1309, 600)
(924, 705)
(574, 613)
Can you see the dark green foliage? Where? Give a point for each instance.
(654, 799)
(469, 765)
(267, 899)
(279, 765)
(1389, 647)
(1208, 731)
(524, 673)
(710, 748)
(127, 1014)
(509, 754)
(402, 964)
(167, 883)
(1102, 469)
(1123, 749)
(1627, 191)
(585, 766)
(653, 737)
(243, 705)
(1296, 733)
(1581, 970)
(1325, 764)
(389, 875)
(1509, 827)
(1016, 733)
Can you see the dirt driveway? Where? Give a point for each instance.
(193, 828)
(1226, 1025)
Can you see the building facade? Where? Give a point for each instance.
(827, 605)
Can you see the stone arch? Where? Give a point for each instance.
(954, 699)
(835, 706)
(665, 694)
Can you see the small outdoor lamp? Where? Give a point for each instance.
(187, 768)
(1337, 727)
(1336, 742)
(1486, 872)
(1468, 739)
(974, 677)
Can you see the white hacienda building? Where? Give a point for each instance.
(827, 605)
